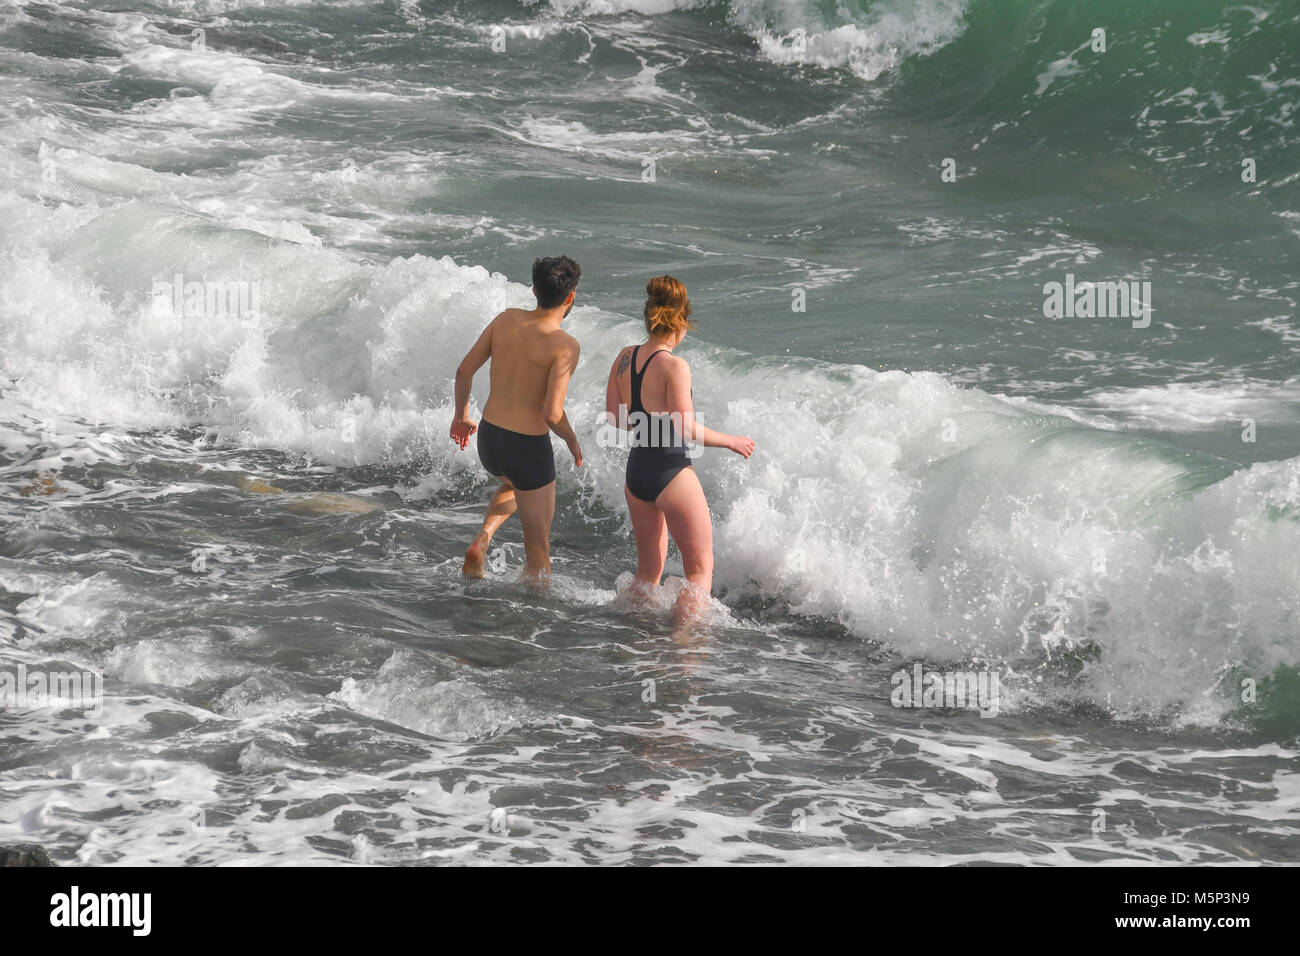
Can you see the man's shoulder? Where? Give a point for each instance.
(562, 343)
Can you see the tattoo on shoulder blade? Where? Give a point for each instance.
(624, 361)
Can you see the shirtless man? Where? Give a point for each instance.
(532, 360)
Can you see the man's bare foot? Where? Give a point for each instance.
(474, 559)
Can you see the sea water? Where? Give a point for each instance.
(245, 244)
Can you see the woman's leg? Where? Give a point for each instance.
(687, 515)
(651, 539)
(499, 511)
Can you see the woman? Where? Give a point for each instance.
(649, 394)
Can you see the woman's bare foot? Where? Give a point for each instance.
(689, 633)
(691, 604)
(640, 592)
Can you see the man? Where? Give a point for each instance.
(532, 360)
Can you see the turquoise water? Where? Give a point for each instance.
(1105, 515)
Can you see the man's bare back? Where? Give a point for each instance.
(529, 352)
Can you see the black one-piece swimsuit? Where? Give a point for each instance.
(661, 454)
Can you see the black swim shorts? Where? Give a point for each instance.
(526, 460)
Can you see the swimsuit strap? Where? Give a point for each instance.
(641, 374)
(638, 376)
(635, 384)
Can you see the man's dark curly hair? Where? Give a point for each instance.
(553, 279)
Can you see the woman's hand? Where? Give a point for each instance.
(461, 429)
(742, 446)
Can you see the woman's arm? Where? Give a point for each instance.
(614, 411)
(681, 404)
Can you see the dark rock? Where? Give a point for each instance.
(24, 854)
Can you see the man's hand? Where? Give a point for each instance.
(461, 429)
(564, 430)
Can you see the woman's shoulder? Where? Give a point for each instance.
(676, 363)
(623, 360)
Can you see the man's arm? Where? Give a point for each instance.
(557, 388)
(461, 426)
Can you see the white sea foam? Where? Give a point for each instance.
(606, 7)
(868, 39)
(410, 692)
(1195, 405)
(939, 519)
(868, 42)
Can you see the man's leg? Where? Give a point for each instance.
(501, 508)
(536, 512)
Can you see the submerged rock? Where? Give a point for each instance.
(331, 503)
(259, 487)
(44, 485)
